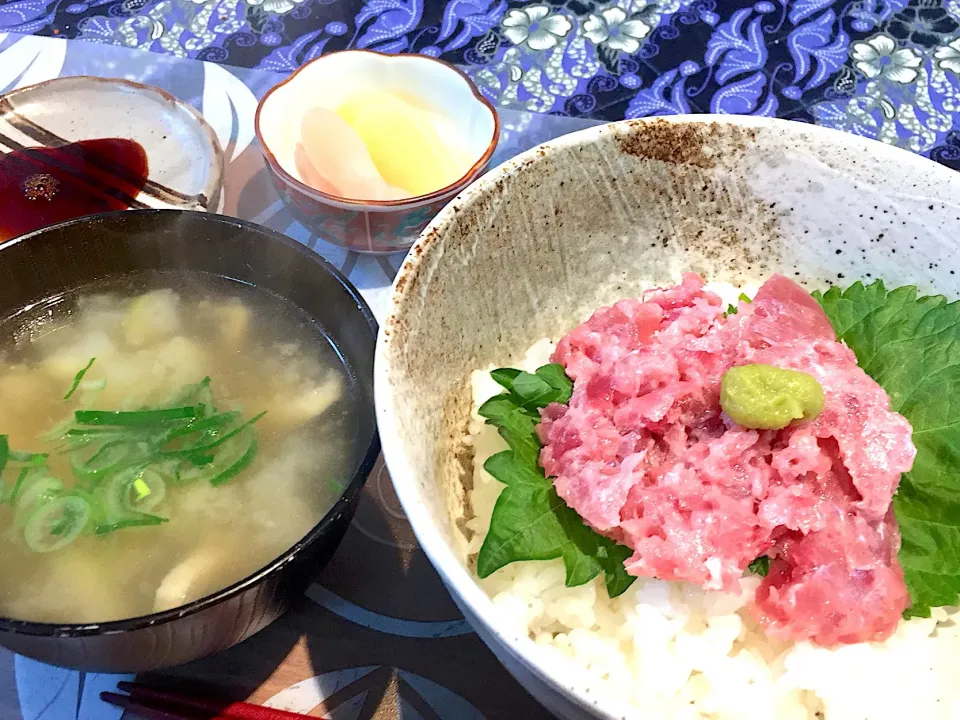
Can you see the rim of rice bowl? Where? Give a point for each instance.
(460, 580)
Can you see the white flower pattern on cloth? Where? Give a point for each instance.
(948, 56)
(190, 33)
(880, 57)
(612, 28)
(275, 6)
(533, 26)
(550, 77)
(174, 38)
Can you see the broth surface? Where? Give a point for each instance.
(152, 335)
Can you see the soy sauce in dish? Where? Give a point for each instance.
(41, 186)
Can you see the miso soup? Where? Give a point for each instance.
(161, 438)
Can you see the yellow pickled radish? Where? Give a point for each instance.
(351, 107)
(404, 145)
(340, 156)
(453, 141)
(462, 160)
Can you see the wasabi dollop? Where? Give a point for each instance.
(764, 397)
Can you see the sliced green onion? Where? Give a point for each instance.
(166, 469)
(76, 380)
(4, 451)
(206, 447)
(4, 456)
(88, 431)
(199, 459)
(98, 514)
(36, 488)
(72, 444)
(123, 462)
(138, 520)
(248, 443)
(59, 430)
(212, 422)
(18, 484)
(56, 524)
(121, 496)
(146, 491)
(36, 485)
(205, 398)
(237, 453)
(115, 494)
(109, 458)
(137, 417)
(192, 394)
(31, 459)
(141, 489)
(189, 475)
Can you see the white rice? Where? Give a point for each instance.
(673, 651)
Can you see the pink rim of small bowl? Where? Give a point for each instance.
(436, 194)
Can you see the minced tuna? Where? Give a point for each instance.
(644, 453)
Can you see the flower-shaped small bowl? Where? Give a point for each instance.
(370, 226)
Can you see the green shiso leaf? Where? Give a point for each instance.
(911, 346)
(732, 309)
(760, 566)
(530, 521)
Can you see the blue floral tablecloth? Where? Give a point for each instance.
(887, 69)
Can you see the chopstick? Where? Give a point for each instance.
(149, 712)
(154, 704)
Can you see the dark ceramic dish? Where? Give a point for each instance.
(78, 252)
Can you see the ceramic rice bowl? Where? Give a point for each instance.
(536, 245)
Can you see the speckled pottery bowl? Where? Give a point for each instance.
(601, 215)
(370, 226)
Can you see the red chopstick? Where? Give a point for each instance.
(155, 704)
